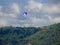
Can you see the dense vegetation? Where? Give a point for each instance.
(15, 35)
(47, 35)
(50, 35)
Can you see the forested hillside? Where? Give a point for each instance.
(50, 35)
(47, 35)
(15, 35)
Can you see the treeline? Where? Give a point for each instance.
(15, 35)
(47, 35)
(50, 35)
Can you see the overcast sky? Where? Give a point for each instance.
(40, 12)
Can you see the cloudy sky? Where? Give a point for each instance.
(40, 12)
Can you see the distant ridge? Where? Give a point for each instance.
(47, 35)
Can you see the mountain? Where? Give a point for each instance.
(47, 35)
(15, 35)
(50, 35)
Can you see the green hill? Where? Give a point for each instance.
(50, 35)
(15, 35)
(47, 35)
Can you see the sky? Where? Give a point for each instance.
(39, 12)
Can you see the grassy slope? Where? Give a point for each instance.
(50, 35)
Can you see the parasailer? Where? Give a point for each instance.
(25, 13)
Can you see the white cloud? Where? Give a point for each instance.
(1, 8)
(52, 20)
(49, 17)
(45, 21)
(38, 20)
(15, 8)
(32, 5)
(51, 9)
(43, 8)
(56, 20)
(11, 15)
(3, 22)
(12, 18)
(13, 12)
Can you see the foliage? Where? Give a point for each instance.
(47, 35)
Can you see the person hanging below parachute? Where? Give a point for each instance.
(25, 14)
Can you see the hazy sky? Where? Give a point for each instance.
(40, 12)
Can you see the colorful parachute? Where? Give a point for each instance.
(25, 13)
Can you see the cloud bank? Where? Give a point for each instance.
(41, 13)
